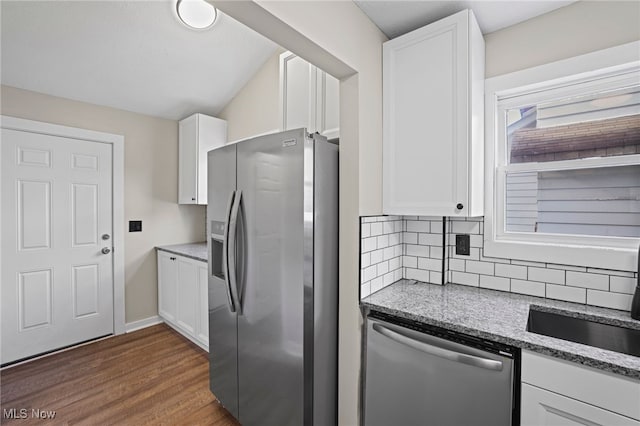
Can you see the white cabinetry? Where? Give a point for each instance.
(433, 141)
(197, 135)
(558, 392)
(309, 97)
(183, 296)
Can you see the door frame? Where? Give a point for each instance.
(117, 176)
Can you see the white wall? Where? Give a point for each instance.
(254, 109)
(150, 181)
(581, 27)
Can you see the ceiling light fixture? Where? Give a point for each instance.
(197, 14)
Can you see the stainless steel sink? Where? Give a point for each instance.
(592, 333)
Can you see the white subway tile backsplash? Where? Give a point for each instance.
(389, 278)
(475, 240)
(415, 250)
(377, 284)
(430, 264)
(435, 252)
(586, 280)
(410, 238)
(430, 239)
(396, 247)
(417, 274)
(418, 226)
(554, 276)
(410, 261)
(527, 263)
(465, 227)
(567, 267)
(377, 256)
(566, 293)
(609, 300)
(369, 244)
(465, 278)
(532, 288)
(493, 259)
(369, 273)
(387, 227)
(394, 263)
(611, 272)
(389, 252)
(511, 271)
(625, 285)
(365, 290)
(474, 254)
(456, 265)
(479, 267)
(495, 283)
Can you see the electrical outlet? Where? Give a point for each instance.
(135, 226)
(463, 244)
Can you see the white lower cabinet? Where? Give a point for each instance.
(541, 407)
(561, 393)
(183, 296)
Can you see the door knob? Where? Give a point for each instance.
(106, 250)
(105, 237)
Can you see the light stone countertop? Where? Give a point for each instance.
(196, 251)
(502, 317)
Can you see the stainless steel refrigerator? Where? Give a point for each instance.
(272, 222)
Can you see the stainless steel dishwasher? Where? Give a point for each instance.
(418, 374)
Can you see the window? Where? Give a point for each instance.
(563, 161)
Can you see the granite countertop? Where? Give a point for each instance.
(197, 251)
(502, 317)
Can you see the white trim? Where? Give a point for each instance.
(601, 252)
(143, 323)
(117, 141)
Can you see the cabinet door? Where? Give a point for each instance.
(188, 160)
(187, 291)
(297, 93)
(543, 408)
(425, 120)
(203, 304)
(167, 279)
(327, 105)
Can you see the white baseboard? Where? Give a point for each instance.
(143, 323)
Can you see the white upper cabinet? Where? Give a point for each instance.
(433, 135)
(309, 97)
(198, 134)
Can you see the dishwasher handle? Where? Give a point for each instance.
(440, 352)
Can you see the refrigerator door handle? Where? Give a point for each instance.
(225, 253)
(231, 259)
(435, 350)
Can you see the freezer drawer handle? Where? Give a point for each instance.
(225, 254)
(231, 255)
(472, 360)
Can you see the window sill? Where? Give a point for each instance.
(621, 259)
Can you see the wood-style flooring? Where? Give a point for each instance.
(152, 376)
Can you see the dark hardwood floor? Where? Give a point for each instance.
(149, 377)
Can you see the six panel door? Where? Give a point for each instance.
(57, 282)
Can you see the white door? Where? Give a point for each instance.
(57, 283)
